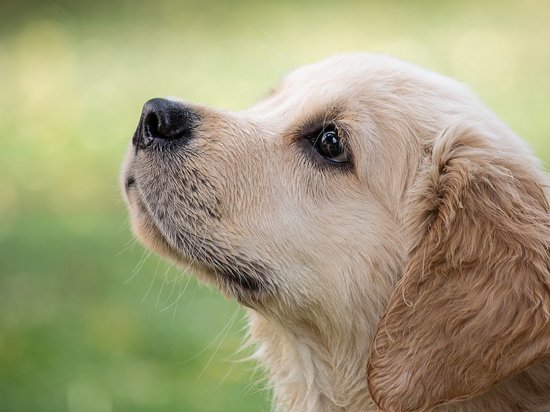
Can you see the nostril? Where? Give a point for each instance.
(151, 126)
(164, 119)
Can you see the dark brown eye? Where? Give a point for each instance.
(328, 144)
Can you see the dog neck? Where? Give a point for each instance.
(312, 370)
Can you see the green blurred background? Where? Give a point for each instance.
(88, 320)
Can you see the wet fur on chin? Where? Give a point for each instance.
(415, 278)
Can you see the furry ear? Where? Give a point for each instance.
(473, 306)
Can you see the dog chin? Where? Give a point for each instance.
(247, 290)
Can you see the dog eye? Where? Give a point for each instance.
(328, 144)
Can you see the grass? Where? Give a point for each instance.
(86, 324)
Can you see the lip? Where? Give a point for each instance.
(235, 276)
(130, 181)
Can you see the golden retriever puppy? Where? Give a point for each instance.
(389, 236)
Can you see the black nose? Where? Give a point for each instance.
(163, 120)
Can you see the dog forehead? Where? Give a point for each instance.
(309, 88)
(337, 78)
(338, 70)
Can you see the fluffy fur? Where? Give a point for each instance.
(417, 276)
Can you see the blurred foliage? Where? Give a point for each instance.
(88, 320)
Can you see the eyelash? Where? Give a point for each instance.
(328, 144)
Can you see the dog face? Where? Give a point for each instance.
(351, 176)
(270, 203)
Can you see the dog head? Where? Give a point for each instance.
(366, 193)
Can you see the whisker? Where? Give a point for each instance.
(208, 346)
(127, 246)
(222, 381)
(138, 266)
(164, 276)
(180, 293)
(152, 280)
(219, 344)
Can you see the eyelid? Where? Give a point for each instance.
(319, 130)
(315, 129)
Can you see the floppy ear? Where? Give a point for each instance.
(473, 306)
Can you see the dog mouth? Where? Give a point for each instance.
(234, 274)
(129, 182)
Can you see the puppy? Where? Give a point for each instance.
(389, 236)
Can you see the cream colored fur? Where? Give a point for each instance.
(417, 277)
